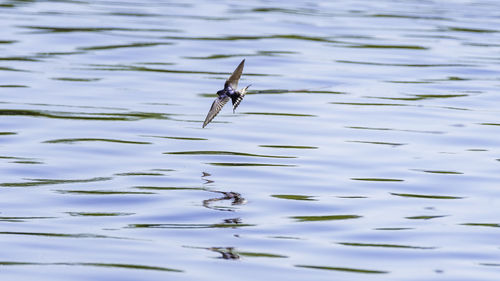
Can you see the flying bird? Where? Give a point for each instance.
(229, 92)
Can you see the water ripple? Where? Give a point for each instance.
(91, 264)
(70, 141)
(218, 152)
(39, 182)
(344, 269)
(385, 246)
(325, 218)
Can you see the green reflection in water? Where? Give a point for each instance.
(276, 36)
(417, 17)
(377, 179)
(393, 228)
(294, 197)
(376, 46)
(385, 245)
(13, 86)
(27, 162)
(286, 237)
(94, 140)
(168, 188)
(175, 138)
(438, 172)
(130, 266)
(133, 45)
(110, 265)
(345, 269)
(474, 30)
(260, 255)
(424, 217)
(3, 68)
(290, 146)
(14, 157)
(22, 219)
(301, 11)
(250, 164)
(18, 59)
(426, 196)
(324, 218)
(53, 29)
(409, 82)
(62, 235)
(120, 67)
(402, 64)
(139, 174)
(70, 79)
(482, 224)
(378, 142)
(188, 225)
(38, 182)
(215, 152)
(259, 53)
(50, 54)
(97, 214)
(101, 192)
(131, 116)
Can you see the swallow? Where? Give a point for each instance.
(229, 92)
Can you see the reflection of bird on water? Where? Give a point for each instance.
(229, 92)
(207, 181)
(227, 253)
(234, 196)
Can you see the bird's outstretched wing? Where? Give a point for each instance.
(238, 97)
(235, 77)
(219, 102)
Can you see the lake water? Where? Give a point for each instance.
(367, 148)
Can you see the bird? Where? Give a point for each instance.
(229, 92)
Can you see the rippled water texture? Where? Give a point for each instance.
(367, 147)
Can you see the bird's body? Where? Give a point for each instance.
(229, 92)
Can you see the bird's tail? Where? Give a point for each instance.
(238, 98)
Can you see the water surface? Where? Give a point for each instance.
(366, 148)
